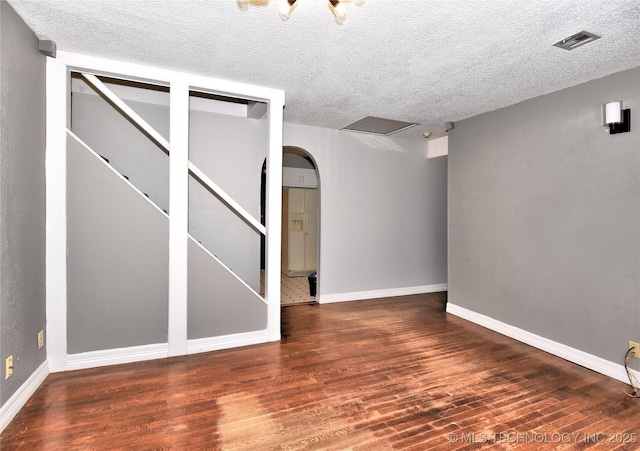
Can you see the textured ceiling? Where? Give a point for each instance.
(424, 61)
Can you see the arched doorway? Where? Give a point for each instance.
(300, 226)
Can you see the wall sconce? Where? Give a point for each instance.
(618, 120)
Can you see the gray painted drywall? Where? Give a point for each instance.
(291, 160)
(128, 150)
(118, 259)
(544, 214)
(229, 149)
(219, 304)
(383, 221)
(22, 199)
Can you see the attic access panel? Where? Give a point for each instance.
(378, 126)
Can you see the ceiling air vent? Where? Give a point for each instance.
(378, 126)
(576, 40)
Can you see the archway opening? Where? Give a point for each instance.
(300, 227)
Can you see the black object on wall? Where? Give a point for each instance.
(624, 126)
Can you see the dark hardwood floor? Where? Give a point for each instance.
(395, 373)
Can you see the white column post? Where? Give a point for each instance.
(274, 217)
(57, 111)
(178, 216)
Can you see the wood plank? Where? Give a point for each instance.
(395, 373)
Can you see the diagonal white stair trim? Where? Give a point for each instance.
(197, 173)
(228, 200)
(127, 110)
(111, 168)
(197, 243)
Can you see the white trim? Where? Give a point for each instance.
(56, 214)
(385, 293)
(94, 359)
(273, 218)
(161, 98)
(592, 362)
(114, 171)
(10, 408)
(208, 252)
(179, 217)
(199, 345)
(163, 77)
(180, 84)
(127, 110)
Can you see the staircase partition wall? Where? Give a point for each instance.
(177, 273)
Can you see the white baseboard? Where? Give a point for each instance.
(9, 409)
(374, 294)
(117, 356)
(132, 354)
(226, 341)
(597, 364)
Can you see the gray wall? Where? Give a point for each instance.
(230, 150)
(120, 298)
(118, 260)
(128, 150)
(383, 212)
(544, 214)
(291, 160)
(22, 200)
(383, 203)
(218, 303)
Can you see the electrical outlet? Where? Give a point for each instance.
(9, 367)
(636, 351)
(40, 339)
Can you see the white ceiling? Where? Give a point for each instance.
(424, 61)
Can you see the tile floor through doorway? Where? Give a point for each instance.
(293, 290)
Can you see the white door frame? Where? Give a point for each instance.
(180, 83)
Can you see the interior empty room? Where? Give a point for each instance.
(311, 224)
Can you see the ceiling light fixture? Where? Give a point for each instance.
(286, 7)
(339, 11)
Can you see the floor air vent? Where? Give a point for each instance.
(576, 40)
